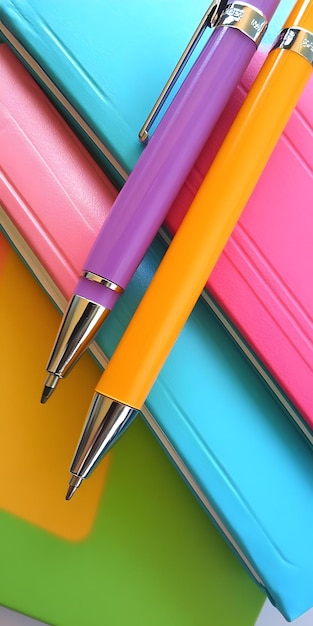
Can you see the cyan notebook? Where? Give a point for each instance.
(104, 63)
(218, 422)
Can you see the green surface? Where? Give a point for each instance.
(153, 558)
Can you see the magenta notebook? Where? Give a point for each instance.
(261, 287)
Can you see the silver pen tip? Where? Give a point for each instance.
(73, 486)
(50, 385)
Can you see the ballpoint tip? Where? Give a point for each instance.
(50, 385)
(46, 394)
(73, 486)
(70, 492)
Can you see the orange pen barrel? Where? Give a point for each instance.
(210, 221)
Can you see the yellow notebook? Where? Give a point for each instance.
(36, 443)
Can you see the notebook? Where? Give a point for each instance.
(218, 422)
(103, 63)
(261, 286)
(146, 537)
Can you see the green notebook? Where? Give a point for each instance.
(149, 555)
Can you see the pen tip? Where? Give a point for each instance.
(49, 387)
(70, 492)
(73, 486)
(46, 394)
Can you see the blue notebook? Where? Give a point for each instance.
(104, 63)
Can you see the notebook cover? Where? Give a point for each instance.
(262, 282)
(53, 214)
(106, 70)
(109, 60)
(226, 433)
(146, 537)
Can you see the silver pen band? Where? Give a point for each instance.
(298, 40)
(241, 15)
(103, 281)
(246, 18)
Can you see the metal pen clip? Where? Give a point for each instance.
(209, 19)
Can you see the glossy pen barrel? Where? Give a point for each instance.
(143, 203)
(209, 222)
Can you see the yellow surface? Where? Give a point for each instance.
(210, 220)
(36, 441)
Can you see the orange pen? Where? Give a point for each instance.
(189, 260)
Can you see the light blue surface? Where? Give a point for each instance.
(12, 618)
(270, 617)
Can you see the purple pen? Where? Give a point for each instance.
(146, 197)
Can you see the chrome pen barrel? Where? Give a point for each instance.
(81, 321)
(106, 422)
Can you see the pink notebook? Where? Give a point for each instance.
(262, 284)
(58, 221)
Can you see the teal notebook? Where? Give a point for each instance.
(103, 63)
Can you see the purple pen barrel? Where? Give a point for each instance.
(146, 197)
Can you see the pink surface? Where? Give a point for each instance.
(263, 280)
(49, 185)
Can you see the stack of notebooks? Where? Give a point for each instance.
(240, 451)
